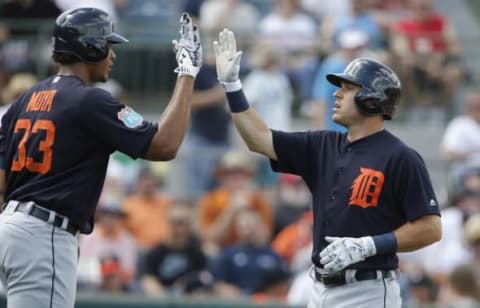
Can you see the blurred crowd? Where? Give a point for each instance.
(217, 221)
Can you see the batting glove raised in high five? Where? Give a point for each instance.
(188, 50)
(227, 58)
(343, 251)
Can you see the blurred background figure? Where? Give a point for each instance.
(209, 135)
(461, 140)
(464, 289)
(237, 15)
(110, 6)
(147, 209)
(247, 266)
(295, 34)
(18, 83)
(267, 87)
(17, 42)
(360, 18)
(111, 243)
(178, 265)
(428, 51)
(294, 243)
(292, 201)
(269, 91)
(112, 278)
(472, 239)
(218, 208)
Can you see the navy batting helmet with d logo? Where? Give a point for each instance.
(85, 33)
(380, 87)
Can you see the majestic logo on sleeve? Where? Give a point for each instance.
(366, 188)
(129, 117)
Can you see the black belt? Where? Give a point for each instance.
(44, 214)
(340, 278)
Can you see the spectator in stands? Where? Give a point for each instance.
(146, 209)
(208, 137)
(423, 289)
(327, 9)
(472, 238)
(246, 267)
(236, 15)
(112, 280)
(268, 89)
(21, 20)
(465, 202)
(295, 34)
(352, 44)
(109, 239)
(293, 201)
(28, 9)
(360, 18)
(274, 288)
(17, 84)
(294, 243)
(219, 207)
(461, 140)
(288, 28)
(465, 288)
(192, 7)
(427, 49)
(172, 265)
(110, 6)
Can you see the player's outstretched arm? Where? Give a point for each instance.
(251, 127)
(173, 123)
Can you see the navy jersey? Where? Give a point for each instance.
(56, 140)
(367, 187)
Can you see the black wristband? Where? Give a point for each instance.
(237, 101)
(385, 243)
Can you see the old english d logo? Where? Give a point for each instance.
(366, 188)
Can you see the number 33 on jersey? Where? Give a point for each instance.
(34, 151)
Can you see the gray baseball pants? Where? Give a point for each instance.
(38, 262)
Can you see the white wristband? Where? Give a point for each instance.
(232, 86)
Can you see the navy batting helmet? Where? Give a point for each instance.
(85, 33)
(380, 87)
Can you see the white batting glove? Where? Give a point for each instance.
(227, 57)
(188, 50)
(343, 251)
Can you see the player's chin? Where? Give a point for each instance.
(338, 119)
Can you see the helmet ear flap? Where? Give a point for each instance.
(368, 105)
(95, 47)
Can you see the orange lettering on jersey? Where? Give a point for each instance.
(366, 188)
(41, 101)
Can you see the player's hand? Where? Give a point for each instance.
(227, 57)
(188, 50)
(343, 251)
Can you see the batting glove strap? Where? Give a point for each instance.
(187, 71)
(232, 86)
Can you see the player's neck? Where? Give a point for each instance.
(77, 69)
(366, 129)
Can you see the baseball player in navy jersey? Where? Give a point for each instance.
(372, 196)
(55, 143)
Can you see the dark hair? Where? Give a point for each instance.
(65, 58)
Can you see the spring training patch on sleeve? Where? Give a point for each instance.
(130, 117)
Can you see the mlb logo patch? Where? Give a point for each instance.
(129, 117)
